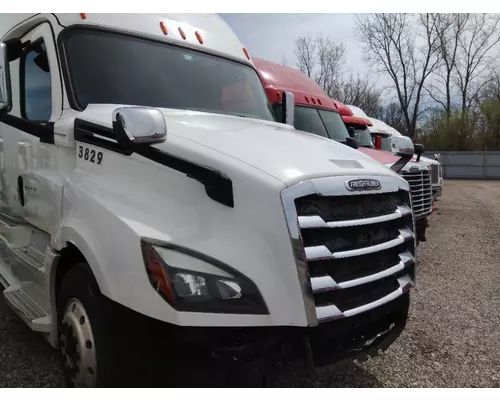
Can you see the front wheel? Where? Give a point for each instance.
(100, 344)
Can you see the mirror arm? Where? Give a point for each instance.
(399, 165)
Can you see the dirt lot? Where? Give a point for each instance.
(453, 334)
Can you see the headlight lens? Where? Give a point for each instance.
(191, 282)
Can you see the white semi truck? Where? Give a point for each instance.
(417, 173)
(152, 206)
(385, 131)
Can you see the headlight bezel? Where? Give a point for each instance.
(161, 273)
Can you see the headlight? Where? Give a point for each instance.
(189, 281)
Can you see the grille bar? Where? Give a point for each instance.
(327, 283)
(315, 221)
(351, 249)
(322, 252)
(332, 312)
(421, 191)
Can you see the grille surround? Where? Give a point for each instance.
(420, 190)
(335, 187)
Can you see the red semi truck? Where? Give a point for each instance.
(315, 112)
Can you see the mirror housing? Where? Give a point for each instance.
(402, 146)
(351, 131)
(288, 108)
(352, 142)
(5, 94)
(419, 150)
(139, 125)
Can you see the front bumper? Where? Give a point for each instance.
(421, 225)
(330, 344)
(437, 192)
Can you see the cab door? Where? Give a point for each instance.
(26, 133)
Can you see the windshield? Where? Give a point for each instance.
(321, 122)
(114, 68)
(364, 138)
(386, 143)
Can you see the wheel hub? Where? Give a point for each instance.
(78, 346)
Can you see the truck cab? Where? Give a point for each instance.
(434, 165)
(417, 173)
(153, 209)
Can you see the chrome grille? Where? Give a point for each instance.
(357, 249)
(421, 191)
(434, 174)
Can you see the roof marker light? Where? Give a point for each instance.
(198, 36)
(314, 101)
(319, 101)
(83, 15)
(163, 28)
(246, 52)
(307, 99)
(183, 35)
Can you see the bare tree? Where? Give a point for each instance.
(449, 29)
(407, 55)
(482, 33)
(321, 59)
(305, 51)
(361, 92)
(393, 116)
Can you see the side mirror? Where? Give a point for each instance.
(351, 131)
(352, 142)
(139, 125)
(419, 150)
(402, 146)
(5, 95)
(288, 109)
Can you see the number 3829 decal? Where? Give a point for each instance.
(91, 155)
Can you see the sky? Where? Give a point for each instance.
(272, 36)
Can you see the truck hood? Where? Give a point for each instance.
(429, 160)
(382, 156)
(276, 149)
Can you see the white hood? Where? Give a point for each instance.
(276, 149)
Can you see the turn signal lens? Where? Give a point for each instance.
(163, 28)
(198, 36)
(157, 274)
(183, 35)
(246, 53)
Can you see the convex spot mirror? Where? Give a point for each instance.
(419, 150)
(139, 125)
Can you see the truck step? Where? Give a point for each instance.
(30, 256)
(34, 315)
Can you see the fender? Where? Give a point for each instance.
(83, 240)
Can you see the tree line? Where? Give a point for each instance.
(443, 69)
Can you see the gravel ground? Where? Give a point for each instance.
(452, 336)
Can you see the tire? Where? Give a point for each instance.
(101, 346)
